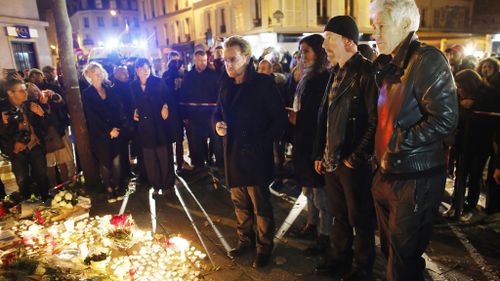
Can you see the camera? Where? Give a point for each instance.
(23, 136)
(15, 116)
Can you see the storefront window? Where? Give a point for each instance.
(24, 55)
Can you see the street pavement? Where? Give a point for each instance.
(475, 255)
(458, 251)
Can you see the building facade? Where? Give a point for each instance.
(99, 23)
(184, 24)
(445, 23)
(23, 39)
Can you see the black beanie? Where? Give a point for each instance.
(345, 26)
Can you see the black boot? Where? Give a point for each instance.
(240, 250)
(261, 260)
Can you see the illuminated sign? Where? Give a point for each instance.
(22, 32)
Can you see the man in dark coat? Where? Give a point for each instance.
(21, 139)
(344, 145)
(198, 97)
(417, 110)
(250, 115)
(155, 114)
(124, 93)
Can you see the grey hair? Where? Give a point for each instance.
(91, 66)
(398, 10)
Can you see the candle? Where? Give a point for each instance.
(69, 225)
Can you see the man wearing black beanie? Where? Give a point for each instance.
(343, 147)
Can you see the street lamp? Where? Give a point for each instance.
(113, 13)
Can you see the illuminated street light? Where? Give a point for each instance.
(113, 12)
(112, 43)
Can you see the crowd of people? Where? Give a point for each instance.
(373, 135)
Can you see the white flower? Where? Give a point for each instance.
(68, 196)
(62, 204)
(69, 206)
(58, 198)
(53, 203)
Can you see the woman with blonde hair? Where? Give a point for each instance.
(105, 119)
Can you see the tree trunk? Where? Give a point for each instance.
(72, 90)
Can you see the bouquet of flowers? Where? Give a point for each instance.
(65, 199)
(121, 231)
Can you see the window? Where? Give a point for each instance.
(124, 4)
(165, 33)
(24, 55)
(222, 20)
(105, 4)
(321, 12)
(163, 8)
(112, 4)
(100, 21)
(115, 22)
(156, 36)
(136, 22)
(85, 4)
(187, 29)
(91, 4)
(257, 13)
(86, 22)
(208, 21)
(133, 5)
(423, 17)
(98, 4)
(178, 31)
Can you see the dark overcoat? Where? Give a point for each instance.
(255, 116)
(152, 130)
(305, 131)
(102, 116)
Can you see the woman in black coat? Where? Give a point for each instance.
(157, 120)
(306, 103)
(105, 118)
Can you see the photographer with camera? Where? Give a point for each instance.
(21, 139)
(57, 143)
(57, 154)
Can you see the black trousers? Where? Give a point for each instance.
(350, 199)
(198, 132)
(252, 205)
(2, 190)
(31, 166)
(405, 211)
(474, 166)
(111, 176)
(159, 164)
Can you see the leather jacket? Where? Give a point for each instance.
(428, 110)
(351, 116)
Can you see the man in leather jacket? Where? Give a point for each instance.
(343, 146)
(417, 109)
